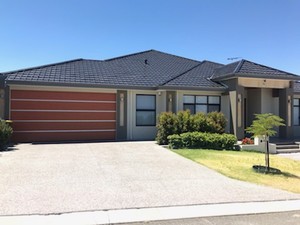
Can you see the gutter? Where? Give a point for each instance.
(79, 85)
(231, 76)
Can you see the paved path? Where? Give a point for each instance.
(294, 156)
(286, 218)
(56, 178)
(168, 215)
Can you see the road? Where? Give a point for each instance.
(286, 218)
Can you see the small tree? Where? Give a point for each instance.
(263, 126)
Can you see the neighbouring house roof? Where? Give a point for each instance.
(144, 70)
(245, 68)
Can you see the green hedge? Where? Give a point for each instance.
(202, 140)
(166, 126)
(5, 133)
(183, 121)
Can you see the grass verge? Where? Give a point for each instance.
(238, 165)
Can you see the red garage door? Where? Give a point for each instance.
(62, 116)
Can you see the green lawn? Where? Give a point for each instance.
(238, 165)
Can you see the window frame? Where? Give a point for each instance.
(207, 104)
(145, 110)
(296, 106)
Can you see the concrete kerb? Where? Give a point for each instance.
(154, 214)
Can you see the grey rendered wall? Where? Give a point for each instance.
(286, 112)
(171, 101)
(225, 108)
(253, 104)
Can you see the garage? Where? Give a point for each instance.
(43, 116)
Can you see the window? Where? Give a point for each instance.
(296, 111)
(145, 110)
(201, 103)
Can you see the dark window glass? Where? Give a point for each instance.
(201, 103)
(189, 107)
(296, 112)
(145, 110)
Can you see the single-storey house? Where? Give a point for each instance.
(120, 98)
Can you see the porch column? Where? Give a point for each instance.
(286, 112)
(237, 111)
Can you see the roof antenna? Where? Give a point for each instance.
(234, 58)
(146, 61)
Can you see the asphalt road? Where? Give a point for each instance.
(286, 218)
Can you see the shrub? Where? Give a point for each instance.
(200, 123)
(5, 133)
(217, 122)
(165, 127)
(175, 141)
(202, 140)
(183, 122)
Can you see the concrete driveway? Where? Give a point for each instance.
(294, 156)
(56, 178)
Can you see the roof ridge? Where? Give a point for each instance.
(127, 55)
(162, 84)
(98, 60)
(178, 56)
(43, 66)
(151, 50)
(213, 75)
(239, 66)
(205, 60)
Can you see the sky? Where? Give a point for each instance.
(35, 32)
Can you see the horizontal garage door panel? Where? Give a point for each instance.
(37, 105)
(29, 126)
(60, 95)
(43, 116)
(18, 115)
(63, 136)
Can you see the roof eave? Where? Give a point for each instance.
(174, 87)
(276, 77)
(79, 85)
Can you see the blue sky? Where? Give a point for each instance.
(36, 32)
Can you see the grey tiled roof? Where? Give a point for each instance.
(149, 69)
(146, 69)
(197, 77)
(245, 68)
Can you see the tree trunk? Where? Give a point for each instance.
(267, 155)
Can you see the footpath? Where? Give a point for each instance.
(153, 214)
